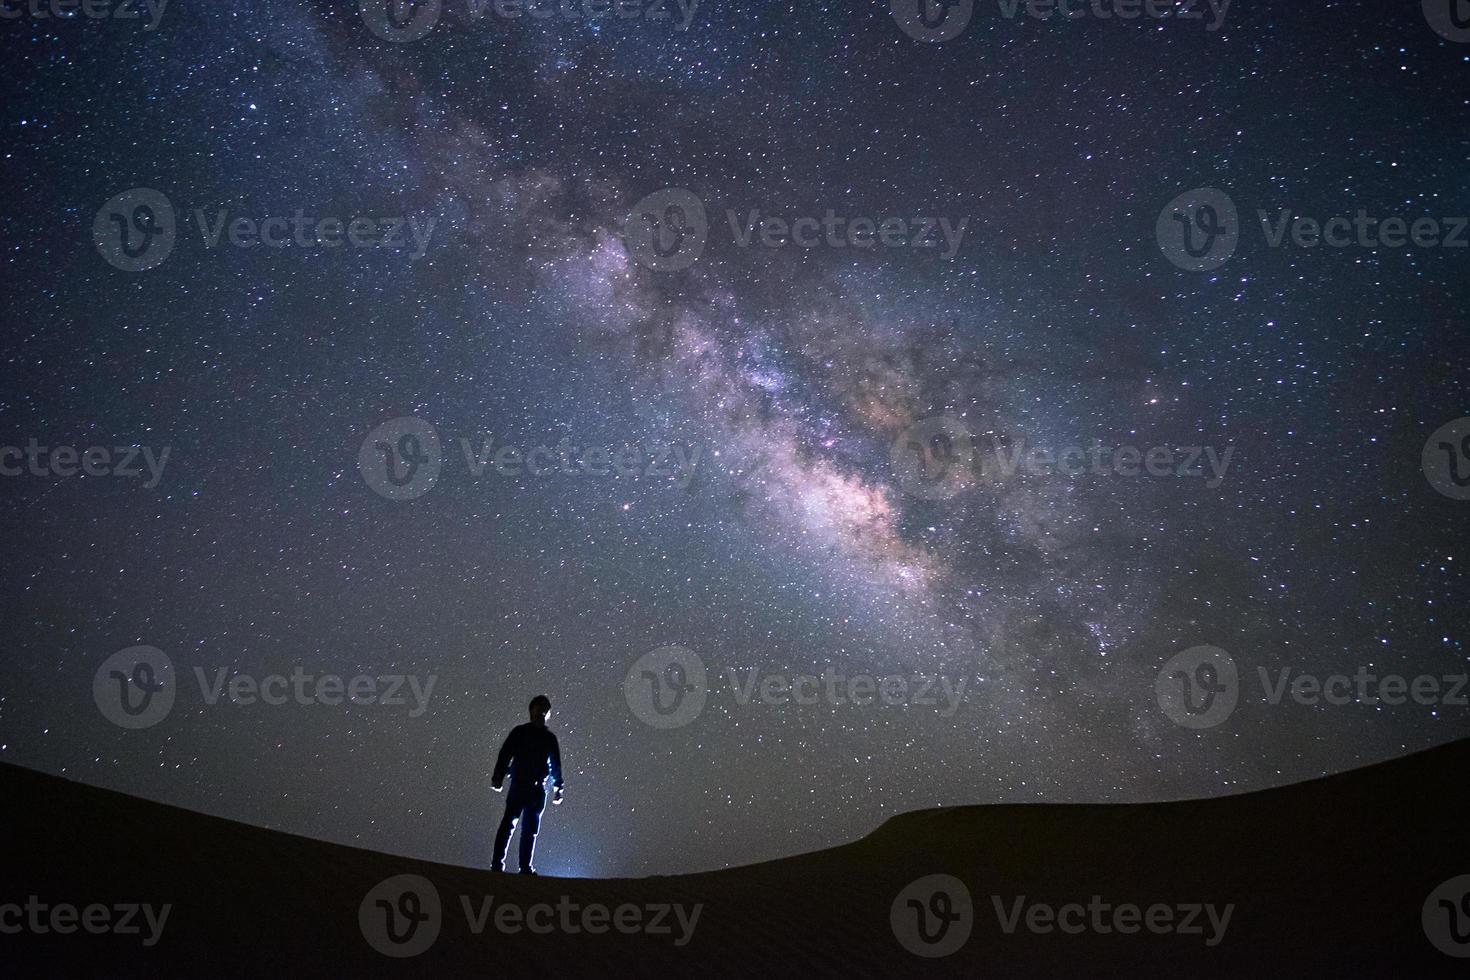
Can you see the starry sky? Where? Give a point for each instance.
(796, 547)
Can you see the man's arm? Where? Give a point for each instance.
(502, 762)
(555, 762)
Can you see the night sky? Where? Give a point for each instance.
(794, 543)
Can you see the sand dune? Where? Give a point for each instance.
(1326, 878)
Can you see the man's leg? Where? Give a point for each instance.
(530, 824)
(502, 836)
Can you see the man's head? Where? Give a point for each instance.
(540, 708)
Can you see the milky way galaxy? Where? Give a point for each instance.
(863, 496)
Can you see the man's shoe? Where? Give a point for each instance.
(527, 871)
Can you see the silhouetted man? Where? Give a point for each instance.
(530, 754)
